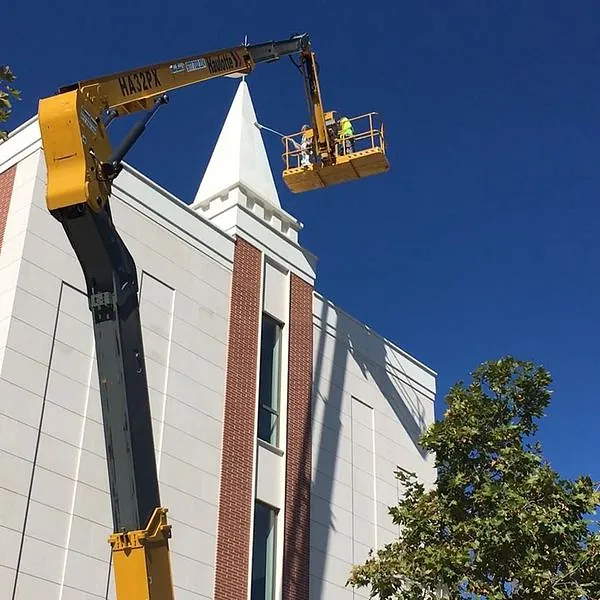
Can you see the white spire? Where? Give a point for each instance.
(239, 156)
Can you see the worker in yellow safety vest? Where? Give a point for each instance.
(346, 133)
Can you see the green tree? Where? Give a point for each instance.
(499, 523)
(7, 93)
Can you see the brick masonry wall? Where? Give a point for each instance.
(7, 180)
(299, 447)
(235, 502)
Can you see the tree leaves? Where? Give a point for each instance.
(7, 92)
(500, 522)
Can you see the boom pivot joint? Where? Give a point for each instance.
(113, 166)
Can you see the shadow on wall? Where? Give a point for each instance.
(352, 339)
(322, 488)
(369, 352)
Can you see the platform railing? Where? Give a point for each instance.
(368, 135)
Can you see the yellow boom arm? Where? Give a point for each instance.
(322, 142)
(73, 123)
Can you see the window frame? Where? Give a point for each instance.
(274, 408)
(270, 554)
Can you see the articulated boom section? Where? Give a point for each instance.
(322, 141)
(139, 543)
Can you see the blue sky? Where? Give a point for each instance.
(481, 241)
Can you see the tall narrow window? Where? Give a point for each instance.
(269, 382)
(263, 553)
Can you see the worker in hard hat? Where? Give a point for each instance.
(346, 134)
(305, 147)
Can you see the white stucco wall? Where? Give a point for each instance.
(370, 401)
(54, 482)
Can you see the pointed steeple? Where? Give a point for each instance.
(238, 195)
(239, 158)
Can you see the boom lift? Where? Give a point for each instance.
(81, 167)
(331, 162)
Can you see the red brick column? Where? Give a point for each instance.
(237, 459)
(299, 446)
(7, 180)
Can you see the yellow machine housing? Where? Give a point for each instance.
(70, 128)
(141, 560)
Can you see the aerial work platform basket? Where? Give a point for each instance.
(355, 157)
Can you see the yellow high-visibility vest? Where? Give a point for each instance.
(346, 127)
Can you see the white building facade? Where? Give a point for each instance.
(278, 419)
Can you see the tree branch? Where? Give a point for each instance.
(573, 570)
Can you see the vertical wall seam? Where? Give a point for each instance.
(79, 454)
(352, 526)
(163, 420)
(37, 445)
(374, 451)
